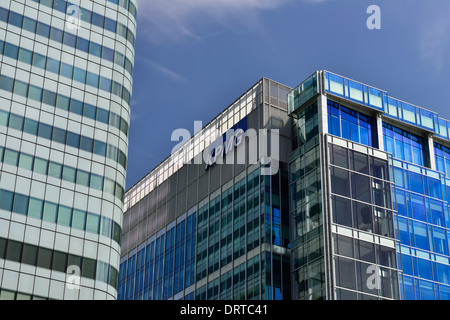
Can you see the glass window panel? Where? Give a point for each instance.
(339, 156)
(83, 178)
(49, 97)
(20, 204)
(35, 207)
(43, 29)
(25, 56)
(363, 216)
(92, 223)
(86, 144)
(39, 60)
(68, 174)
(99, 148)
(56, 35)
(79, 219)
(89, 111)
(40, 166)
(62, 102)
(76, 106)
(54, 170)
(59, 262)
(11, 51)
(13, 251)
(376, 98)
(25, 161)
(427, 119)
(82, 44)
(336, 84)
(29, 24)
(95, 49)
(45, 131)
(409, 113)
(92, 79)
(356, 91)
(35, 93)
(11, 157)
(44, 258)
(66, 70)
(6, 83)
(393, 107)
(73, 139)
(79, 75)
(59, 135)
(21, 88)
(96, 182)
(29, 254)
(64, 216)
(50, 210)
(15, 122)
(340, 181)
(102, 115)
(342, 212)
(360, 187)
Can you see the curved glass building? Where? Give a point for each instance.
(66, 72)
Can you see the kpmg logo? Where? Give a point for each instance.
(239, 145)
(221, 150)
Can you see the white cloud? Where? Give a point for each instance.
(174, 19)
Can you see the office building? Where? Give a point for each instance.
(65, 89)
(356, 206)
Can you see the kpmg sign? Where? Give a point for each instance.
(219, 151)
(222, 150)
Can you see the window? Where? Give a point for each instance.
(49, 212)
(68, 174)
(35, 207)
(64, 216)
(25, 161)
(45, 131)
(54, 170)
(43, 30)
(79, 219)
(6, 198)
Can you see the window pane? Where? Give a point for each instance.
(44, 258)
(6, 198)
(54, 170)
(40, 166)
(64, 215)
(68, 174)
(35, 208)
(92, 223)
(79, 219)
(50, 212)
(25, 161)
(20, 204)
(11, 157)
(83, 178)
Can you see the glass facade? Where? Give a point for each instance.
(210, 238)
(65, 93)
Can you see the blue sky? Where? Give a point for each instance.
(195, 57)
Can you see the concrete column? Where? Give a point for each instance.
(322, 113)
(379, 128)
(431, 151)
